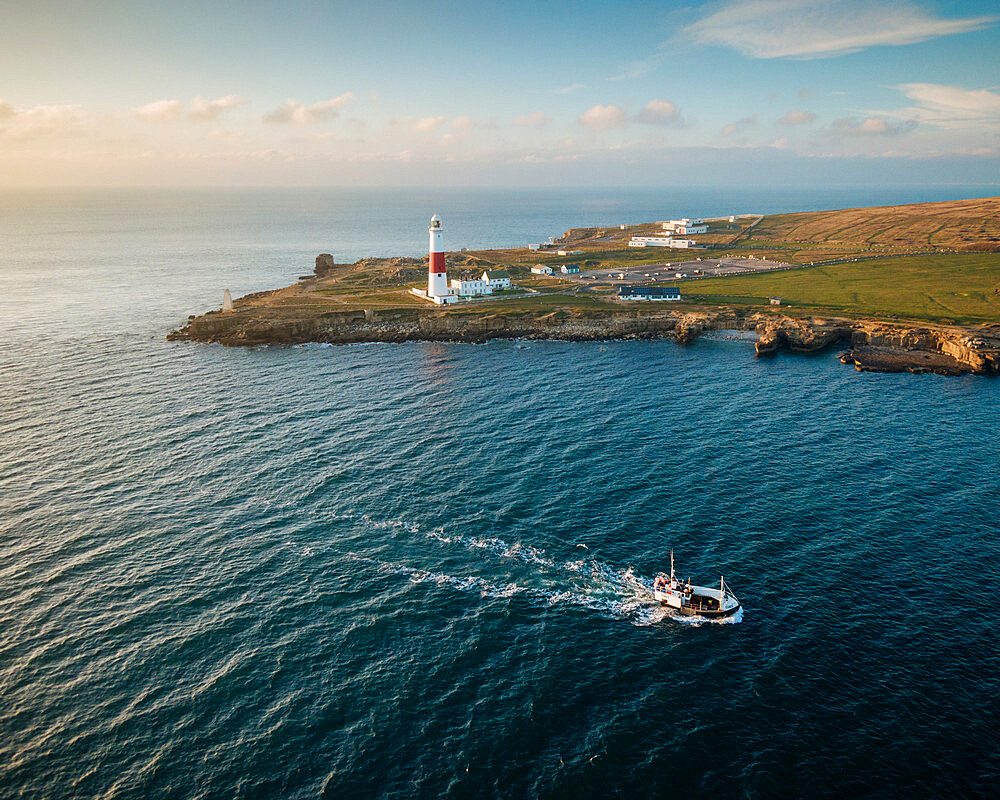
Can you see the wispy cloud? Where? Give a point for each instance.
(570, 89)
(797, 117)
(822, 28)
(536, 119)
(638, 69)
(41, 120)
(427, 124)
(873, 126)
(202, 109)
(952, 106)
(948, 107)
(660, 112)
(736, 127)
(160, 111)
(601, 118)
(295, 113)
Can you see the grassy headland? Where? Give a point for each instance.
(947, 288)
(933, 262)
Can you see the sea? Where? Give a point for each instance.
(423, 570)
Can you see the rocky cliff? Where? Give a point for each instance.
(871, 343)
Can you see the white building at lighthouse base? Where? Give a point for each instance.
(440, 299)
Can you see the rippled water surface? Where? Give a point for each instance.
(423, 570)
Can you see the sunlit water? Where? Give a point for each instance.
(424, 570)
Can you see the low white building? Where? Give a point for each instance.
(441, 299)
(497, 279)
(686, 226)
(649, 293)
(470, 287)
(541, 269)
(660, 241)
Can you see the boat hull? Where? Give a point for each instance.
(704, 612)
(698, 601)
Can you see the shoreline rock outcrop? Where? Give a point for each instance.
(874, 345)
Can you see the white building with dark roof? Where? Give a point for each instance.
(467, 286)
(649, 293)
(497, 279)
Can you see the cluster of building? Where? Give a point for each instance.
(565, 269)
(676, 228)
(491, 280)
(551, 244)
(438, 291)
(661, 241)
(686, 226)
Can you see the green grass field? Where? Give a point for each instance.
(938, 288)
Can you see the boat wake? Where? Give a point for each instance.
(586, 583)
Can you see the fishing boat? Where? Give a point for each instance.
(692, 601)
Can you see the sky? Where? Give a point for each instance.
(532, 94)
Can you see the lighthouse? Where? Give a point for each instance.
(437, 275)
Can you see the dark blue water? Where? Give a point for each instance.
(422, 570)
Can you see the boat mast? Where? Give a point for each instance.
(671, 568)
(722, 589)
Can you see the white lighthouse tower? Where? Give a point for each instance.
(437, 274)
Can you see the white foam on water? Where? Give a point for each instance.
(589, 583)
(390, 524)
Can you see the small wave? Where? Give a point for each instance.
(398, 524)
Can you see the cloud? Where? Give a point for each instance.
(427, 124)
(952, 108)
(600, 118)
(570, 89)
(296, 113)
(536, 119)
(951, 104)
(202, 109)
(41, 120)
(735, 127)
(797, 118)
(660, 112)
(822, 28)
(467, 123)
(638, 69)
(160, 111)
(873, 126)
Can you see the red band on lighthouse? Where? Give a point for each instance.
(437, 263)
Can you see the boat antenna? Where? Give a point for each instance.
(671, 568)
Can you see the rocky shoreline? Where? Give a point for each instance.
(873, 345)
